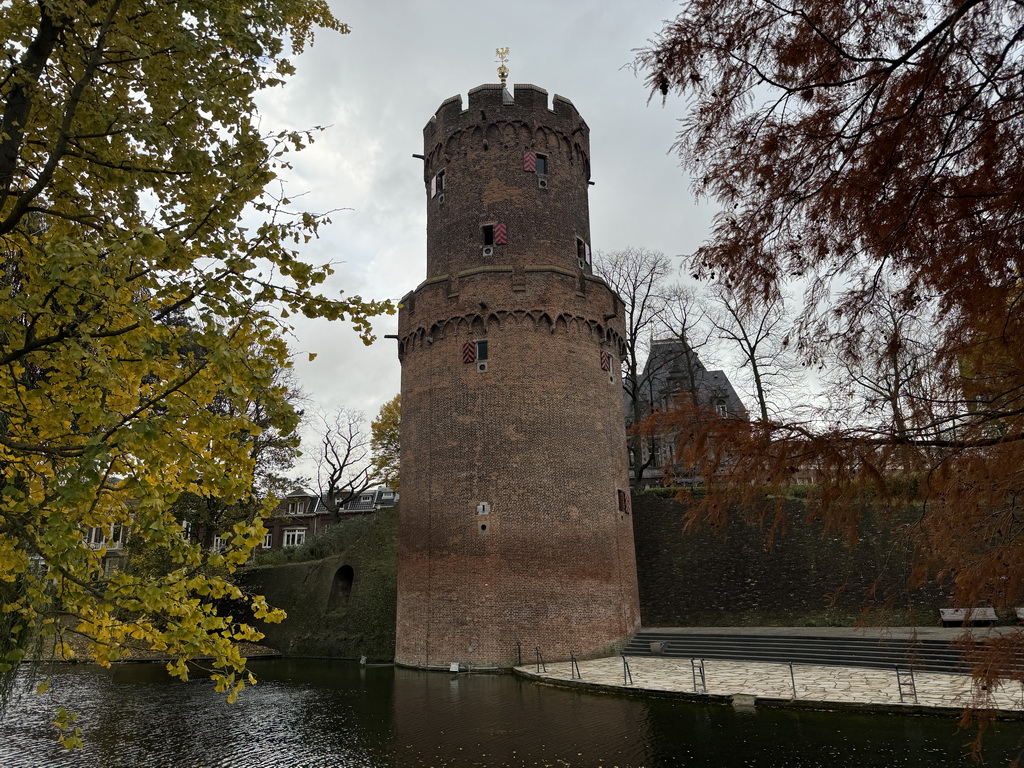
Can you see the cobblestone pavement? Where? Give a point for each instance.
(809, 684)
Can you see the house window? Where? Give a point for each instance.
(268, 540)
(387, 494)
(218, 543)
(294, 537)
(366, 497)
(542, 164)
(721, 408)
(666, 452)
(488, 234)
(294, 507)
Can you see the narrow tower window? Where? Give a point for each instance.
(582, 252)
(437, 184)
(476, 352)
(542, 164)
(488, 233)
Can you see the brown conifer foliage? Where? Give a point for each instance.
(871, 153)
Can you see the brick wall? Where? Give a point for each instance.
(806, 576)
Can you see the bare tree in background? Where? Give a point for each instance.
(686, 320)
(759, 336)
(638, 276)
(344, 465)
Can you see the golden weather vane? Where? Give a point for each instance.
(502, 54)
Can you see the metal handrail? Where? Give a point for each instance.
(574, 668)
(697, 668)
(540, 662)
(905, 680)
(627, 676)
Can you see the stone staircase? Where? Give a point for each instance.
(850, 650)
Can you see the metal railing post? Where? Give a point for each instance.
(695, 668)
(540, 662)
(627, 676)
(574, 668)
(792, 679)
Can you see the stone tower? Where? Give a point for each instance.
(515, 521)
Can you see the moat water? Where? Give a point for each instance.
(322, 714)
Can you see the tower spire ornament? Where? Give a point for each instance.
(502, 54)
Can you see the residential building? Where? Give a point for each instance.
(303, 513)
(674, 370)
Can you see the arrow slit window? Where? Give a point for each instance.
(437, 184)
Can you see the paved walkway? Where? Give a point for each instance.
(755, 683)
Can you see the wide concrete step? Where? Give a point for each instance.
(926, 655)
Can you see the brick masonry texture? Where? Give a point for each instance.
(740, 575)
(481, 153)
(539, 435)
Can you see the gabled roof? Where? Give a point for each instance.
(672, 368)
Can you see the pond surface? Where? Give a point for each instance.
(323, 714)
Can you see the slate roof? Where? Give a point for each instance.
(673, 367)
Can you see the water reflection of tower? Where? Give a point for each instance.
(515, 523)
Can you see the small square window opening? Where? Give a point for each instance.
(582, 251)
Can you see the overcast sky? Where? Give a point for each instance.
(378, 86)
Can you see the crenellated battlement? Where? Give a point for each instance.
(490, 102)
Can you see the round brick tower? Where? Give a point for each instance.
(515, 524)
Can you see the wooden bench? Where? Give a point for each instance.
(962, 617)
